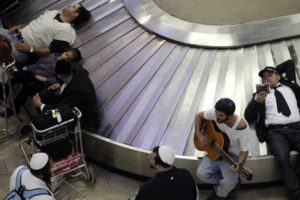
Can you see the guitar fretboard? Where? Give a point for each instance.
(223, 153)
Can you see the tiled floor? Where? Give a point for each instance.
(109, 185)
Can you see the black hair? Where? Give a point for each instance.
(63, 67)
(226, 106)
(44, 172)
(158, 160)
(83, 15)
(76, 54)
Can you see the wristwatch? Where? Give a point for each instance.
(31, 50)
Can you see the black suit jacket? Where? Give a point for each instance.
(255, 112)
(80, 92)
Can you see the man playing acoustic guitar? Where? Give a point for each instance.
(223, 174)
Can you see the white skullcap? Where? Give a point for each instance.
(38, 161)
(166, 154)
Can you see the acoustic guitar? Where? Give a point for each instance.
(217, 148)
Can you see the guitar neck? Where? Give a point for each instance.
(224, 154)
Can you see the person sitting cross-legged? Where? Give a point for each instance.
(222, 174)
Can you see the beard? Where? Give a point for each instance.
(47, 177)
(222, 121)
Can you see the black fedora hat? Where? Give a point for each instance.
(267, 69)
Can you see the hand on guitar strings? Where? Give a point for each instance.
(202, 141)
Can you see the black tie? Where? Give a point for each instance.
(282, 106)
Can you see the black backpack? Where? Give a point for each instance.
(20, 193)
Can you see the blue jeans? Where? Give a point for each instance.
(281, 141)
(19, 56)
(218, 173)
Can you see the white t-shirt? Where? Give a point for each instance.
(40, 32)
(30, 182)
(239, 139)
(273, 116)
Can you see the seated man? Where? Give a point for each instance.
(219, 172)
(77, 90)
(275, 114)
(36, 77)
(169, 182)
(52, 32)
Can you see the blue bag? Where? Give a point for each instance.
(20, 193)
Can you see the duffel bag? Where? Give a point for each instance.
(53, 117)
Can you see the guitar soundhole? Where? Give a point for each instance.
(212, 143)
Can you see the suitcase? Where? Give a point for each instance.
(53, 117)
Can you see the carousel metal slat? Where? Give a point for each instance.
(111, 86)
(110, 50)
(126, 97)
(222, 87)
(133, 119)
(204, 62)
(234, 78)
(216, 72)
(280, 52)
(104, 71)
(154, 127)
(250, 70)
(264, 55)
(179, 129)
(91, 31)
(92, 4)
(23, 13)
(107, 9)
(103, 40)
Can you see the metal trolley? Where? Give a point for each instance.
(73, 165)
(6, 74)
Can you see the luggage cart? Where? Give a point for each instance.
(6, 74)
(75, 162)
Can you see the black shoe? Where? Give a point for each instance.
(24, 129)
(9, 113)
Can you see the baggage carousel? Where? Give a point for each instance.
(153, 72)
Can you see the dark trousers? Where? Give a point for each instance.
(281, 141)
(30, 86)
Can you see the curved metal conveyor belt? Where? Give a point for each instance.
(150, 88)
